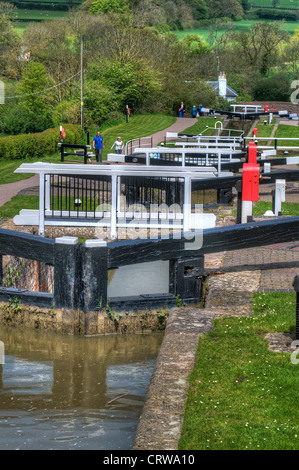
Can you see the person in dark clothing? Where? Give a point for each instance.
(194, 112)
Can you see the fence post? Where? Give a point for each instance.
(278, 196)
(113, 220)
(67, 267)
(94, 275)
(296, 288)
(1, 270)
(187, 204)
(41, 216)
(185, 277)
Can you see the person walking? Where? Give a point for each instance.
(200, 110)
(182, 110)
(98, 145)
(118, 144)
(194, 112)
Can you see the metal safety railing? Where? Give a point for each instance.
(131, 145)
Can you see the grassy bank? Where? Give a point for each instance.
(241, 395)
(287, 208)
(17, 203)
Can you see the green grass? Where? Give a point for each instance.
(238, 26)
(32, 15)
(287, 208)
(290, 4)
(138, 126)
(142, 125)
(284, 130)
(17, 203)
(264, 131)
(200, 125)
(241, 395)
(7, 167)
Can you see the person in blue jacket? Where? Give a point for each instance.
(194, 112)
(98, 145)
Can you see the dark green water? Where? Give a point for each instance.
(65, 392)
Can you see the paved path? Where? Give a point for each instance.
(179, 126)
(7, 191)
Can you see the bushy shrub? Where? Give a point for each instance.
(18, 120)
(39, 144)
(275, 88)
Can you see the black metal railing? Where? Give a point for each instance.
(74, 196)
(146, 190)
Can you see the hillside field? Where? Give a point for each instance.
(287, 4)
(237, 26)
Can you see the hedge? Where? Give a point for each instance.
(277, 15)
(38, 145)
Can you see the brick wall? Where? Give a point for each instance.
(278, 105)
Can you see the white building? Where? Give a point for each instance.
(222, 89)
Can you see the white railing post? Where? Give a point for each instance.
(47, 193)
(114, 204)
(187, 204)
(41, 204)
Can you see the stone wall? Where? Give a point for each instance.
(76, 322)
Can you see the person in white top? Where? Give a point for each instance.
(118, 144)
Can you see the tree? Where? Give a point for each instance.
(56, 45)
(275, 88)
(195, 44)
(133, 83)
(259, 45)
(106, 6)
(10, 44)
(199, 9)
(291, 55)
(33, 95)
(227, 8)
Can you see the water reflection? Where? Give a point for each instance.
(64, 392)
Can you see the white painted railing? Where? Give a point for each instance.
(113, 216)
(276, 141)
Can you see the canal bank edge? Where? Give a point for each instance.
(76, 322)
(161, 420)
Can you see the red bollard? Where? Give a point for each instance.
(250, 182)
(252, 152)
(266, 108)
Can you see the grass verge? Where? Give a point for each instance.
(289, 132)
(17, 203)
(241, 395)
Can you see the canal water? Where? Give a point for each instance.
(68, 392)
